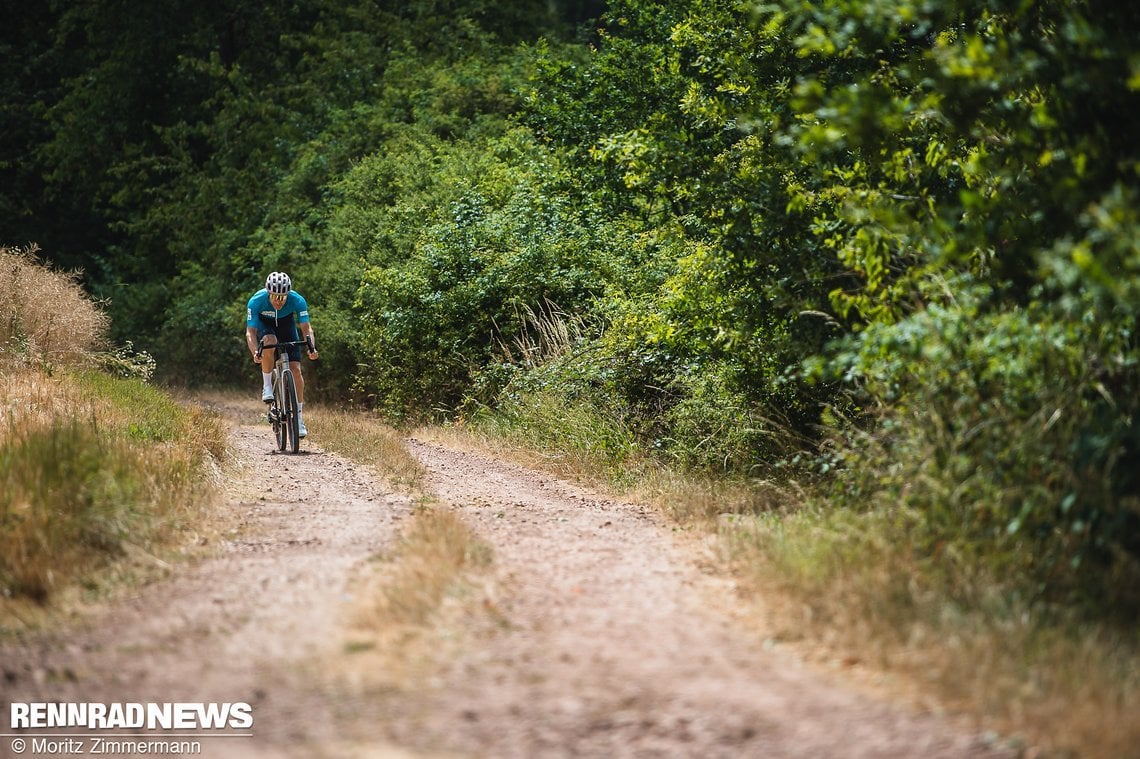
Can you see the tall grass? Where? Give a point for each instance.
(45, 316)
(93, 467)
(90, 467)
(854, 587)
(572, 437)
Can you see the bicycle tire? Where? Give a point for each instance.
(292, 414)
(280, 421)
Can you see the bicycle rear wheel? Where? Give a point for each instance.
(292, 414)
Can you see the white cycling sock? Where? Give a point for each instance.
(267, 380)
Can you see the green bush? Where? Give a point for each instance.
(446, 296)
(1002, 438)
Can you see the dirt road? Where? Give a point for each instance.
(602, 637)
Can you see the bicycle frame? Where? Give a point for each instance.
(283, 412)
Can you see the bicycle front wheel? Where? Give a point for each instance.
(280, 416)
(292, 413)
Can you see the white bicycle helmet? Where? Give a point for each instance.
(278, 283)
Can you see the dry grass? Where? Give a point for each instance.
(843, 592)
(413, 594)
(692, 500)
(435, 551)
(99, 476)
(546, 335)
(62, 333)
(365, 439)
(420, 601)
(435, 546)
(93, 471)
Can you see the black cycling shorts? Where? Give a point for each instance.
(285, 331)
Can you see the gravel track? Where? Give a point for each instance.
(604, 638)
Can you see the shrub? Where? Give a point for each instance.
(45, 316)
(1005, 438)
(436, 313)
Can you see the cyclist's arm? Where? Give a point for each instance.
(251, 341)
(307, 334)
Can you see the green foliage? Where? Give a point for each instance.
(1002, 438)
(127, 362)
(898, 235)
(967, 135)
(443, 294)
(837, 169)
(547, 420)
(197, 145)
(967, 146)
(659, 122)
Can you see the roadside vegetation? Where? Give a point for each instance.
(864, 275)
(101, 475)
(366, 439)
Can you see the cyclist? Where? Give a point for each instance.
(275, 313)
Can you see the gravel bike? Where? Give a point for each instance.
(283, 413)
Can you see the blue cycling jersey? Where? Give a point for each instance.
(260, 312)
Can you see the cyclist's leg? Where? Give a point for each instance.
(268, 339)
(298, 379)
(288, 333)
(294, 352)
(299, 388)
